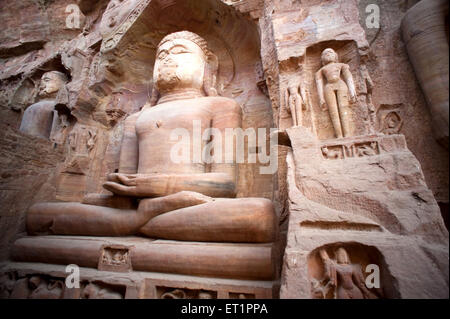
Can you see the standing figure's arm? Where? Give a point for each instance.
(286, 101)
(368, 80)
(319, 83)
(348, 77)
(294, 104)
(358, 279)
(304, 96)
(330, 271)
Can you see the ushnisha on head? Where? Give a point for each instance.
(52, 82)
(329, 56)
(184, 62)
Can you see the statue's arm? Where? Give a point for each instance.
(128, 163)
(369, 80)
(358, 279)
(319, 84)
(304, 96)
(348, 77)
(228, 116)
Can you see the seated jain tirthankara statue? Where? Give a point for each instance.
(176, 201)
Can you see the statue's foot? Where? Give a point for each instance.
(243, 220)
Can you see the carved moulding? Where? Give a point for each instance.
(362, 146)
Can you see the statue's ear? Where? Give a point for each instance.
(210, 77)
(155, 96)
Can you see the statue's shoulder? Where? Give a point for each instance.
(42, 105)
(134, 116)
(224, 103)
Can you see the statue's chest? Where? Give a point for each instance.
(163, 118)
(332, 72)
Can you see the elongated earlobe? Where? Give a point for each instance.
(210, 79)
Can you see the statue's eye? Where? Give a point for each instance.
(162, 55)
(179, 50)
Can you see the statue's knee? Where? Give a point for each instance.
(267, 220)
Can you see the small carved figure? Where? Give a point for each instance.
(368, 84)
(43, 289)
(205, 295)
(7, 282)
(392, 123)
(335, 93)
(174, 294)
(346, 279)
(331, 154)
(91, 140)
(296, 102)
(59, 127)
(366, 150)
(37, 119)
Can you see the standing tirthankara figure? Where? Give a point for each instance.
(336, 94)
(296, 100)
(38, 118)
(178, 201)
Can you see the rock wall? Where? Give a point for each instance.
(263, 47)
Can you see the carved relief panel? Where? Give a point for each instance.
(349, 271)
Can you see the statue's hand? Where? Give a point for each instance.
(120, 189)
(122, 184)
(353, 98)
(323, 254)
(121, 178)
(323, 105)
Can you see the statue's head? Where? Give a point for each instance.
(329, 56)
(51, 82)
(204, 295)
(342, 256)
(183, 61)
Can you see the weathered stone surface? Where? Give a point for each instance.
(335, 205)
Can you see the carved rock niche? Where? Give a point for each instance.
(359, 257)
(128, 50)
(320, 120)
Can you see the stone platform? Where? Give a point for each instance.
(135, 268)
(222, 260)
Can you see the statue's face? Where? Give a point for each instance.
(329, 56)
(179, 64)
(50, 83)
(342, 256)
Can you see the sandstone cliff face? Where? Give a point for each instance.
(263, 45)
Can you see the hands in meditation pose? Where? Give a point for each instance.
(179, 201)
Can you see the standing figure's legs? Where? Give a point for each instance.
(345, 112)
(330, 99)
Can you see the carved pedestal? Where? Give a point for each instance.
(366, 196)
(136, 267)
